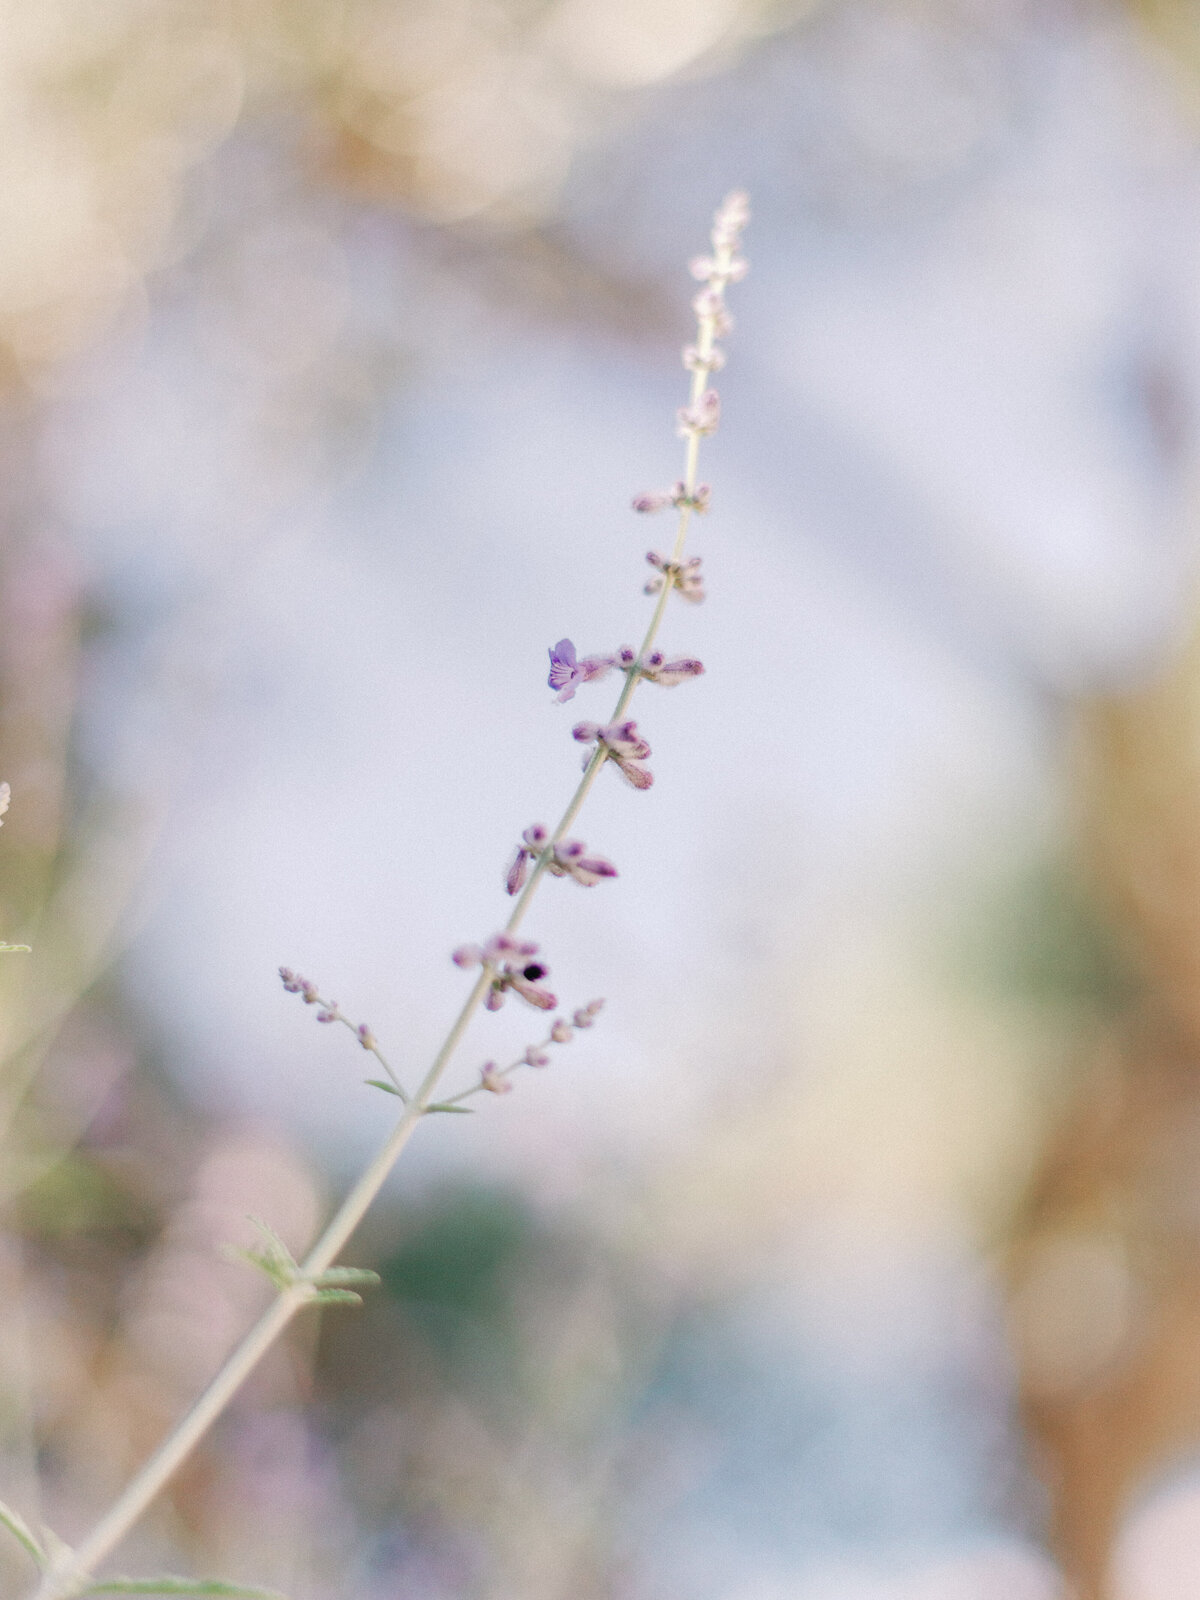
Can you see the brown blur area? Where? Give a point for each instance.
(513, 1416)
(1105, 1265)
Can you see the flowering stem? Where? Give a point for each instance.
(69, 1573)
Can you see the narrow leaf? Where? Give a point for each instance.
(22, 1533)
(441, 1105)
(381, 1083)
(275, 1245)
(172, 1585)
(336, 1276)
(338, 1297)
(281, 1273)
(7, 949)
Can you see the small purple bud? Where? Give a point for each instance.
(365, 1037)
(697, 360)
(535, 837)
(708, 302)
(590, 869)
(583, 1018)
(493, 1081)
(290, 981)
(561, 1032)
(639, 777)
(668, 673)
(331, 1015)
(699, 500)
(702, 418)
(495, 998)
(651, 502)
(467, 955)
(585, 732)
(518, 872)
(535, 1056)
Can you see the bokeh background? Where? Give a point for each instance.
(856, 1254)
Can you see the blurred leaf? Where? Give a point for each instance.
(459, 1257)
(79, 1195)
(171, 1585)
(1045, 941)
(22, 1533)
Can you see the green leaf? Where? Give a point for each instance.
(441, 1105)
(22, 1533)
(172, 1585)
(281, 1273)
(381, 1083)
(337, 1297)
(274, 1244)
(7, 949)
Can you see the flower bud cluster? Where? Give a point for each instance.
(295, 984)
(511, 964)
(498, 1080)
(716, 272)
(698, 499)
(655, 667)
(620, 743)
(685, 575)
(568, 859)
(701, 418)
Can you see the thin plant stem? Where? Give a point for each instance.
(71, 1571)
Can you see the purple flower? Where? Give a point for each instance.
(685, 575)
(570, 861)
(534, 838)
(535, 1056)
(567, 672)
(701, 418)
(621, 744)
(512, 968)
(697, 499)
(708, 269)
(731, 217)
(651, 502)
(365, 1037)
(657, 669)
(493, 1080)
(497, 949)
(697, 360)
(295, 984)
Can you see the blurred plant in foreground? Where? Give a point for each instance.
(507, 964)
(1105, 1269)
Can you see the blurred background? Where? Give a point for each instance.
(855, 1255)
